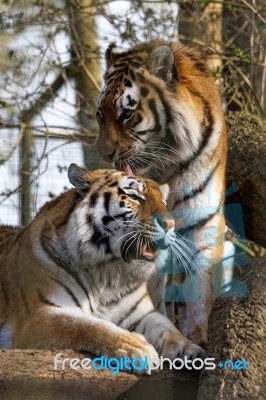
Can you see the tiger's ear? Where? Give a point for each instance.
(79, 178)
(165, 191)
(161, 63)
(111, 52)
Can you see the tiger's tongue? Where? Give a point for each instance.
(148, 252)
(120, 166)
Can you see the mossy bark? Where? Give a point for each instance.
(246, 167)
(237, 330)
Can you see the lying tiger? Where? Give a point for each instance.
(67, 280)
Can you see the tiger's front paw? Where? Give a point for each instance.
(173, 344)
(133, 345)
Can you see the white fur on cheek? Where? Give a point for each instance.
(128, 100)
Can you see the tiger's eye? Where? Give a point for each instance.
(127, 113)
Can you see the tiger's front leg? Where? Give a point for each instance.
(166, 338)
(193, 313)
(198, 290)
(51, 328)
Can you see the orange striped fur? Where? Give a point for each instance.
(160, 116)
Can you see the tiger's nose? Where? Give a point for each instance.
(166, 223)
(108, 157)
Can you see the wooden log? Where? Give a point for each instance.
(246, 167)
(237, 330)
(30, 374)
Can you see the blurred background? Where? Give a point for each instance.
(51, 69)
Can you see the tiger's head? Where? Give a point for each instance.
(117, 215)
(156, 107)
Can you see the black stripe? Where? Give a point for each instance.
(63, 264)
(113, 184)
(146, 131)
(124, 215)
(199, 64)
(138, 138)
(130, 102)
(127, 83)
(144, 91)
(206, 134)
(105, 241)
(123, 295)
(89, 219)
(106, 219)
(132, 183)
(132, 74)
(153, 109)
(93, 199)
(45, 301)
(98, 239)
(200, 224)
(115, 72)
(133, 326)
(121, 64)
(199, 189)
(167, 110)
(133, 308)
(69, 291)
(107, 197)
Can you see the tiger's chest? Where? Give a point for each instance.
(116, 289)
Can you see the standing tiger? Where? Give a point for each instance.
(160, 116)
(76, 277)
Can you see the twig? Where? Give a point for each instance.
(28, 115)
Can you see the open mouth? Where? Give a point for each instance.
(124, 167)
(148, 251)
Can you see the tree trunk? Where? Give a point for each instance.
(86, 58)
(201, 24)
(237, 330)
(246, 167)
(25, 174)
